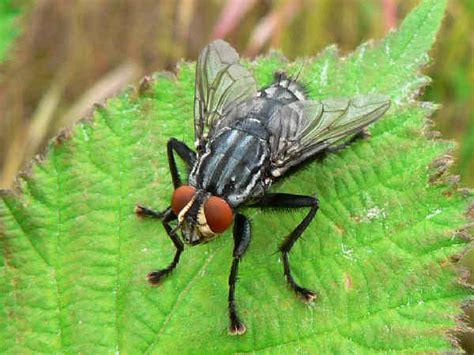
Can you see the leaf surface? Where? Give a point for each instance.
(9, 13)
(74, 256)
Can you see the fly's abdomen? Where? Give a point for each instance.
(233, 161)
(284, 90)
(268, 100)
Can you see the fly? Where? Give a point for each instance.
(245, 139)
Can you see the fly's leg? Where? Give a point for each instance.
(242, 237)
(155, 277)
(189, 157)
(185, 153)
(287, 201)
(146, 212)
(167, 216)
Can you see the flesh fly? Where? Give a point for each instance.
(245, 139)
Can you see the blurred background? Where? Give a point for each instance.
(58, 58)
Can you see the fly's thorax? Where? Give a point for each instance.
(233, 162)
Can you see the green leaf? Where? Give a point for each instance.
(8, 27)
(74, 255)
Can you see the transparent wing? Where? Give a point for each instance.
(303, 128)
(221, 83)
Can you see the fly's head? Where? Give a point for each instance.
(201, 216)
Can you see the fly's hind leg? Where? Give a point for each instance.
(289, 201)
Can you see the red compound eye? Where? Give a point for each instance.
(181, 197)
(218, 214)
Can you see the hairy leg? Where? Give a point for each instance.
(185, 153)
(242, 236)
(189, 158)
(289, 201)
(166, 217)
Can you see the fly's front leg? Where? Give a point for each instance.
(189, 158)
(242, 237)
(167, 216)
(185, 153)
(286, 201)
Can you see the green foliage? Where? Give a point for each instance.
(8, 26)
(74, 255)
